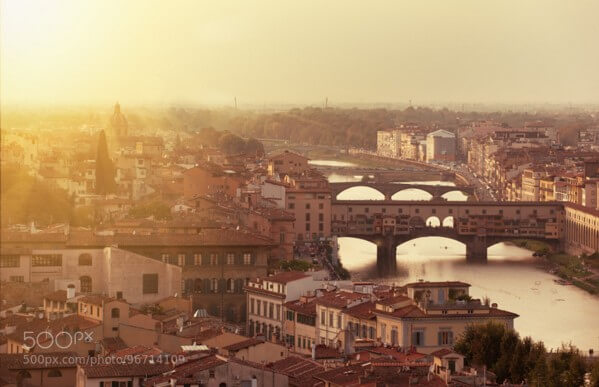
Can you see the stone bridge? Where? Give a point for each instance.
(478, 225)
(390, 189)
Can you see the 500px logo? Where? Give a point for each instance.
(62, 340)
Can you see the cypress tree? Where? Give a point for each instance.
(105, 183)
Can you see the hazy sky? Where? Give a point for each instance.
(207, 52)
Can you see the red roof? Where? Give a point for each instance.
(286, 277)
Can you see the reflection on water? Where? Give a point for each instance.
(331, 163)
(512, 278)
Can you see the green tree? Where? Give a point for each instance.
(507, 348)
(231, 144)
(254, 147)
(481, 344)
(537, 361)
(105, 183)
(520, 366)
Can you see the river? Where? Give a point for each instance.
(512, 277)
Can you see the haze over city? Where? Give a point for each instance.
(299, 193)
(272, 52)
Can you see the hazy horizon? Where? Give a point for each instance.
(286, 53)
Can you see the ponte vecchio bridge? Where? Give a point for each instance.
(390, 189)
(389, 223)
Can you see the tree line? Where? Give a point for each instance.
(515, 360)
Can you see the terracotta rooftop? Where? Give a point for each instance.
(321, 351)
(112, 344)
(19, 361)
(97, 299)
(440, 284)
(363, 311)
(243, 344)
(184, 373)
(143, 369)
(58, 295)
(339, 299)
(305, 308)
(286, 277)
(296, 367)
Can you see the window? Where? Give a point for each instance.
(307, 217)
(291, 206)
(119, 295)
(331, 319)
(181, 259)
(445, 337)
(115, 313)
(150, 284)
(54, 374)
(17, 278)
(307, 206)
(252, 305)
(308, 228)
(46, 260)
(10, 261)
(271, 310)
(290, 315)
(418, 338)
(213, 259)
(259, 307)
(165, 258)
(86, 284)
(321, 217)
(320, 206)
(323, 318)
(339, 321)
(230, 259)
(85, 260)
(214, 285)
(197, 259)
(247, 258)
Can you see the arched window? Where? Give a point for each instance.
(54, 374)
(115, 313)
(85, 260)
(86, 284)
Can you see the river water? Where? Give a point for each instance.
(512, 277)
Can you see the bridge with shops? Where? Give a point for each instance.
(479, 225)
(390, 189)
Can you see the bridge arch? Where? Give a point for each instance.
(412, 194)
(449, 221)
(433, 221)
(416, 221)
(360, 192)
(456, 195)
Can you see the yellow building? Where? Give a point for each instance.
(434, 317)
